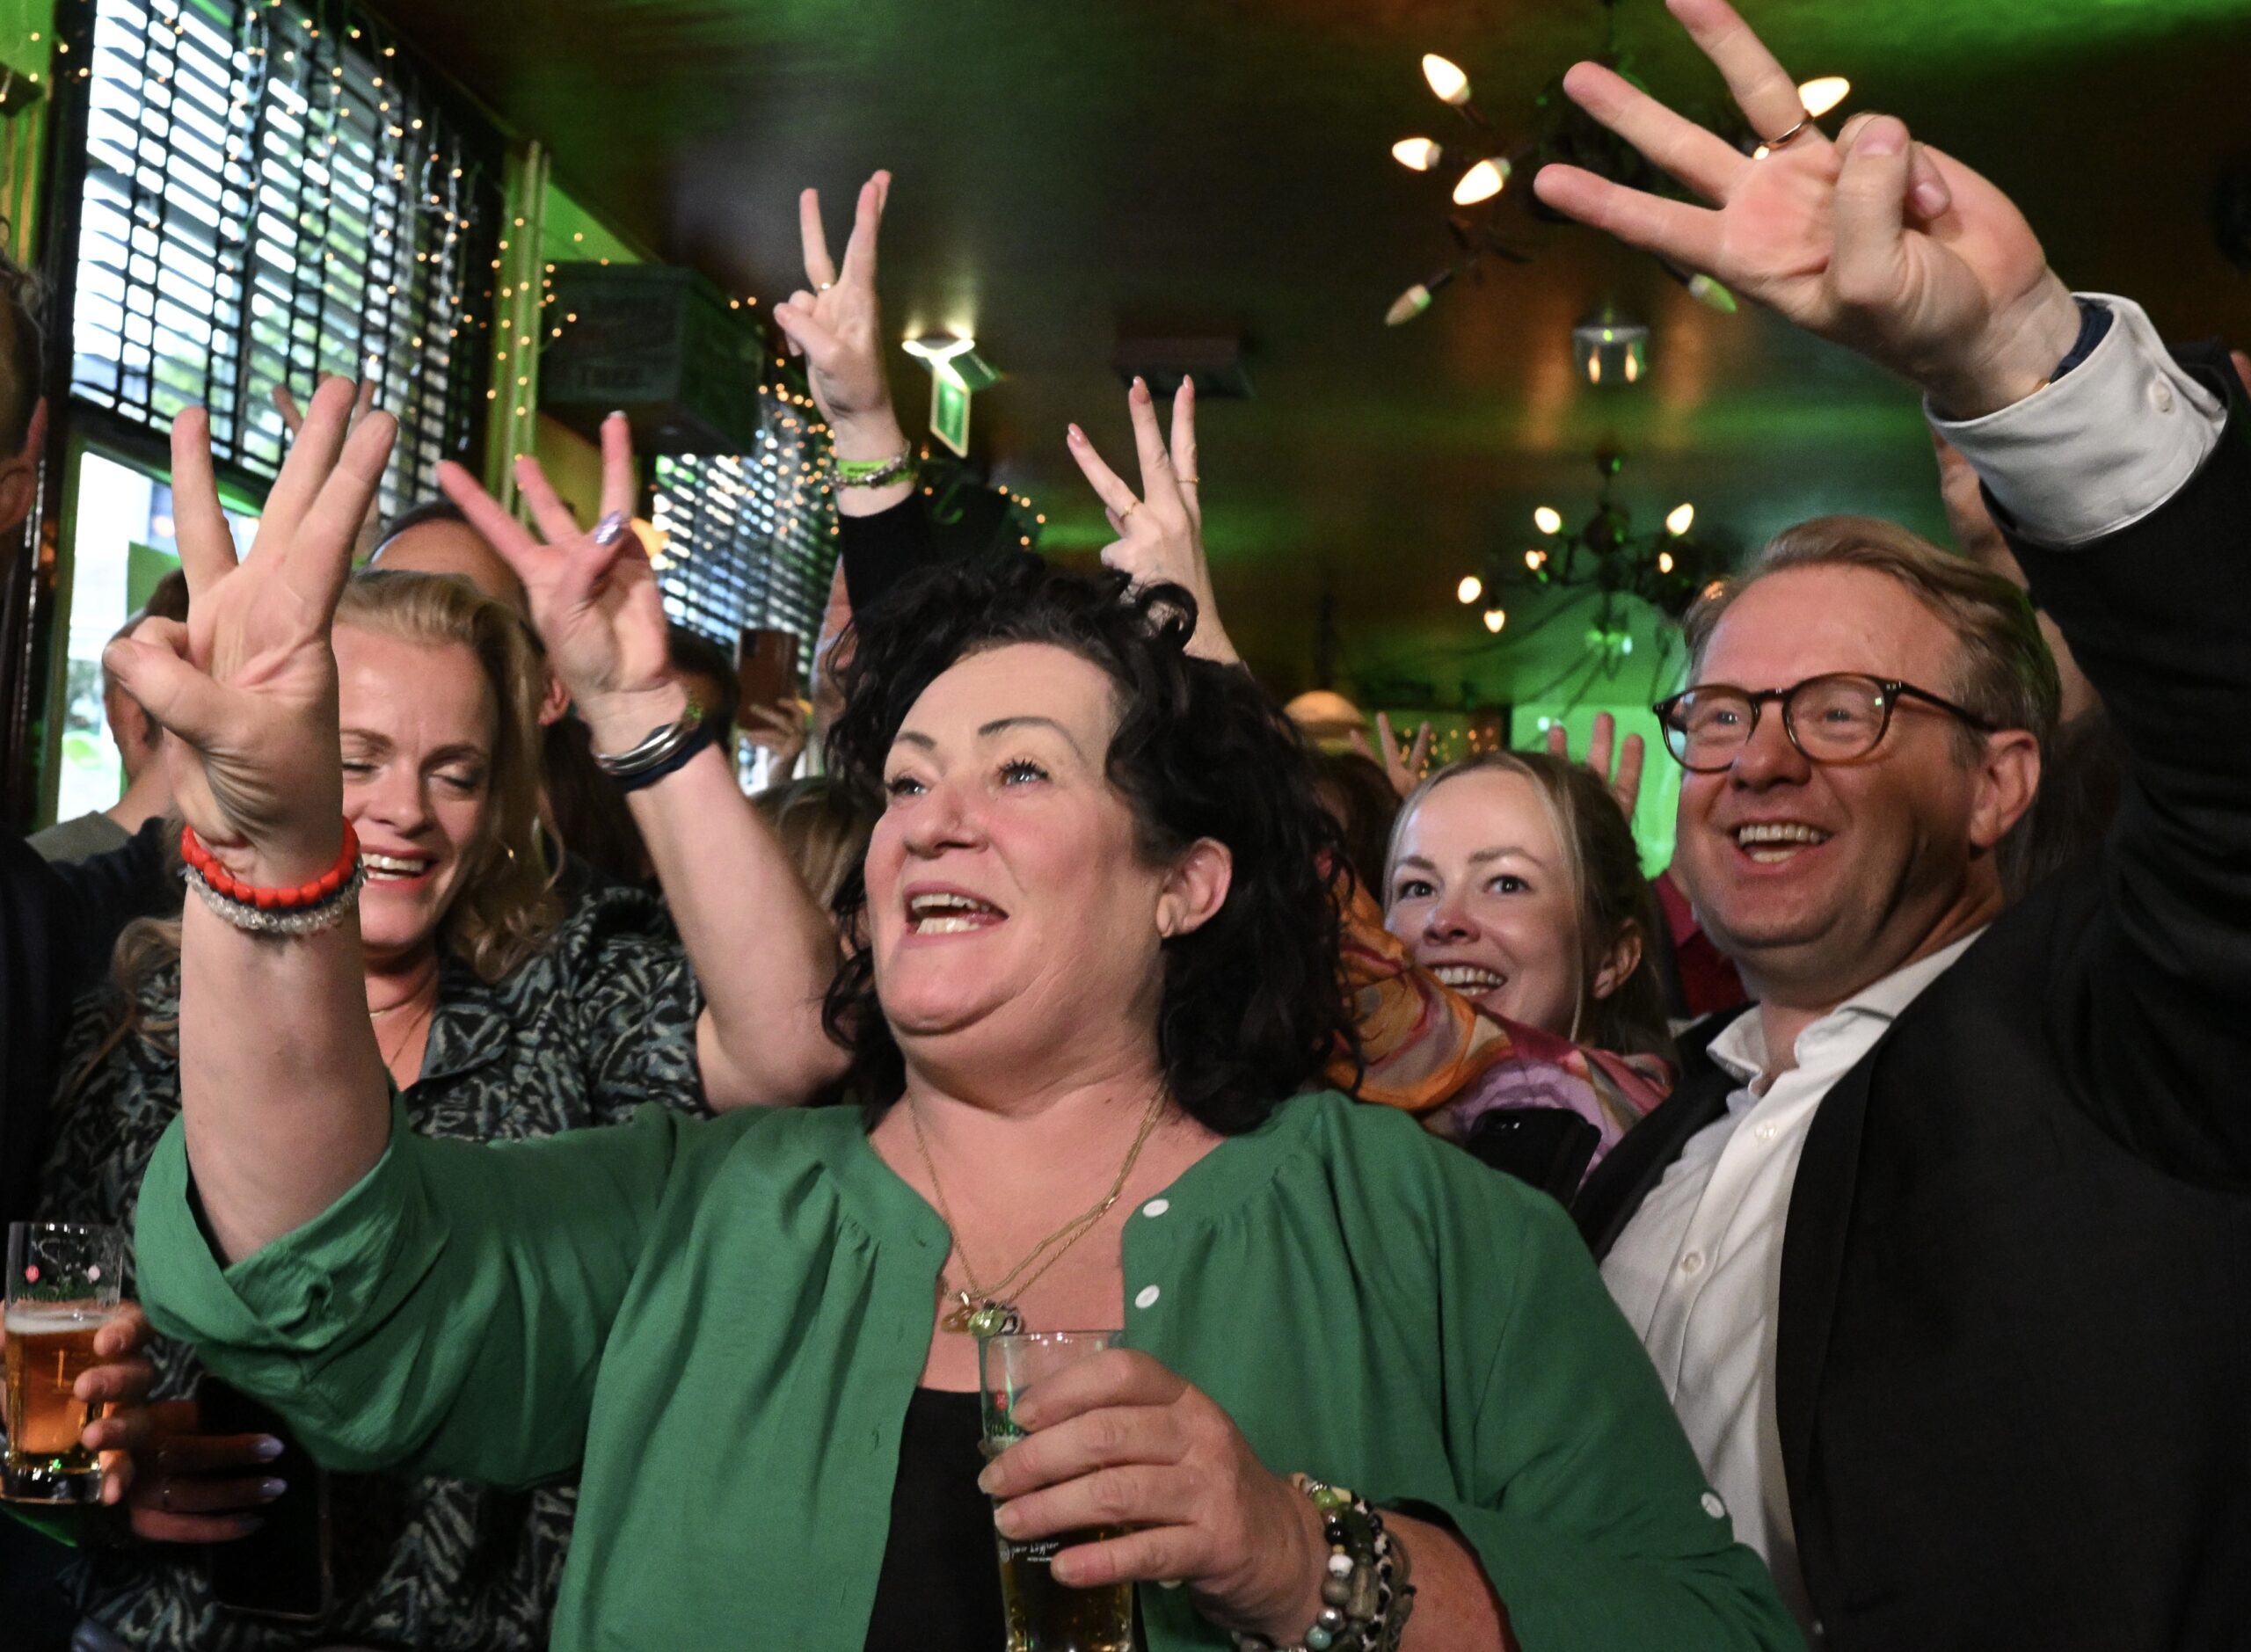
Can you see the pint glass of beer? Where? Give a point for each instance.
(1043, 1615)
(63, 1284)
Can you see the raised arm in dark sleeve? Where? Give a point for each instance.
(881, 550)
(2155, 1004)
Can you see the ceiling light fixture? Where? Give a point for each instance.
(1608, 349)
(1481, 182)
(1605, 556)
(1823, 93)
(1448, 84)
(936, 348)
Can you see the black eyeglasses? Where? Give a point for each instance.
(1831, 718)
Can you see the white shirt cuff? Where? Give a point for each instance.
(2103, 446)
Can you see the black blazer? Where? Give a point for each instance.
(2013, 1348)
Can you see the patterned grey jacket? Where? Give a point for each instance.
(600, 1023)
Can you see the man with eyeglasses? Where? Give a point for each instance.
(1945, 1261)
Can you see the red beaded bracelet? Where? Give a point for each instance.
(288, 898)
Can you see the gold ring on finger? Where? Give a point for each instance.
(1191, 482)
(822, 286)
(1132, 505)
(1803, 121)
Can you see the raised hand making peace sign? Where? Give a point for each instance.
(249, 682)
(1882, 245)
(593, 595)
(1160, 531)
(837, 325)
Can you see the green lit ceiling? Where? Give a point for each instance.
(1063, 165)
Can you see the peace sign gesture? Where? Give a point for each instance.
(837, 325)
(1887, 247)
(593, 595)
(248, 684)
(1161, 531)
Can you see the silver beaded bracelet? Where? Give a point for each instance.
(297, 920)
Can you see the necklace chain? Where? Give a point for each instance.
(975, 1303)
(406, 1037)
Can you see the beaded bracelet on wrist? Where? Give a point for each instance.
(873, 473)
(292, 909)
(1365, 1595)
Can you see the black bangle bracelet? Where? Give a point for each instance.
(679, 760)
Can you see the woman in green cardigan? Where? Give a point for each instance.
(1098, 961)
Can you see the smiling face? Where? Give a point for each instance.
(1480, 890)
(420, 723)
(1817, 878)
(1015, 921)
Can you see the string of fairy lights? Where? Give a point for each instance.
(269, 195)
(802, 472)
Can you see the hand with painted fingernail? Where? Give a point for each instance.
(592, 591)
(190, 1487)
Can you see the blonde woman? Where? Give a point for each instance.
(499, 1015)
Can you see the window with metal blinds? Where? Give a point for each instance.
(272, 192)
(749, 538)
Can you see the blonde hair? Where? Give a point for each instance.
(825, 837)
(1610, 899)
(2005, 674)
(503, 910)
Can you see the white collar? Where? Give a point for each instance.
(1740, 1047)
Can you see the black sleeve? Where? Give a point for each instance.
(2152, 1011)
(58, 925)
(881, 550)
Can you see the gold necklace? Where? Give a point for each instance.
(981, 1310)
(407, 1037)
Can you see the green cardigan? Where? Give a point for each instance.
(717, 1326)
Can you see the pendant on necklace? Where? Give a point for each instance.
(986, 1319)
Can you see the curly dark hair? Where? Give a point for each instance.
(1251, 1004)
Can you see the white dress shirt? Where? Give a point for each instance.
(1697, 1270)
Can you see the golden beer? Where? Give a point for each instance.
(1045, 1616)
(49, 1345)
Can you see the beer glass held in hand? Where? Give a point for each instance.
(63, 1286)
(1042, 1614)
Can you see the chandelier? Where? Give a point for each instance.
(1666, 569)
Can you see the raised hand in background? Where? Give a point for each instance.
(1622, 774)
(1403, 766)
(835, 323)
(1160, 532)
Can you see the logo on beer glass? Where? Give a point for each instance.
(1043, 1615)
(63, 1284)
